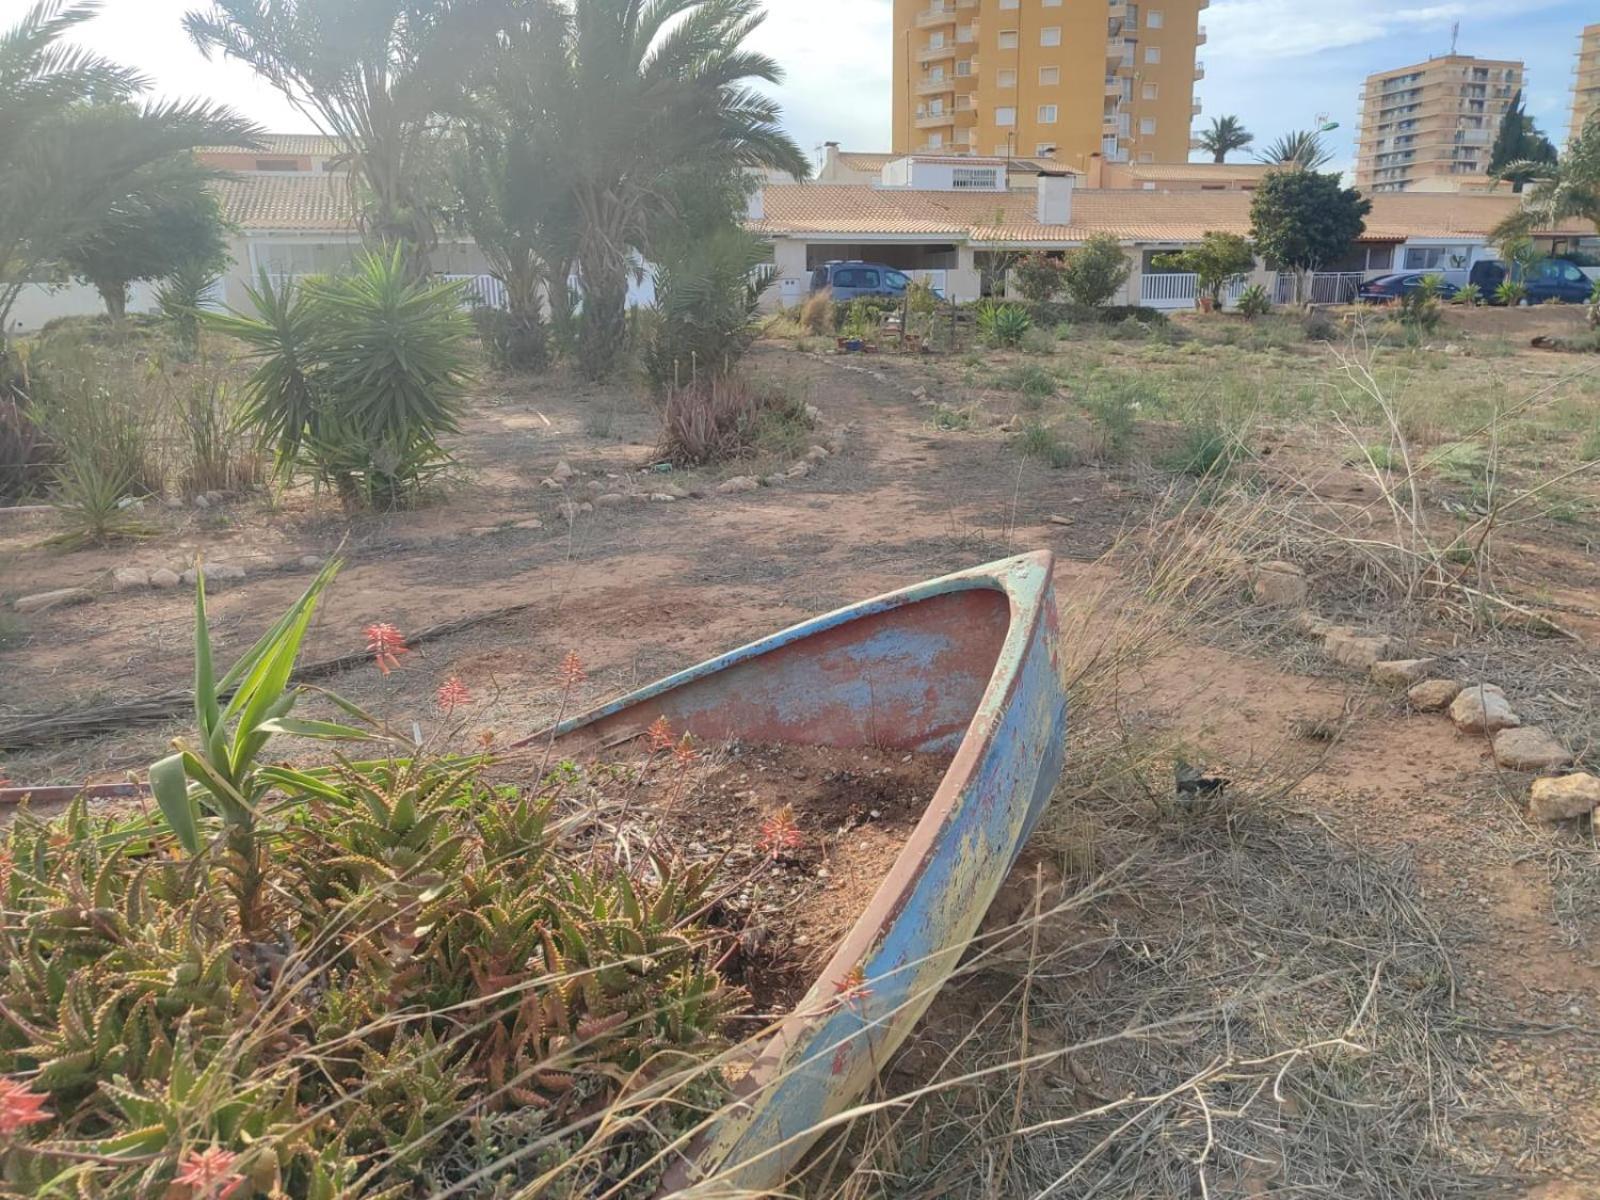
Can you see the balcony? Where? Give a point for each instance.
(1199, 70)
(935, 87)
(932, 18)
(1200, 35)
(1113, 86)
(1195, 109)
(1198, 144)
(1115, 49)
(932, 54)
(935, 120)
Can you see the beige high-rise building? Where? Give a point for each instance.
(1066, 79)
(1586, 85)
(1431, 127)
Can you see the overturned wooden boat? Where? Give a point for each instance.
(966, 665)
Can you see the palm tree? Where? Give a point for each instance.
(375, 76)
(1303, 148)
(1225, 134)
(643, 92)
(61, 173)
(1557, 191)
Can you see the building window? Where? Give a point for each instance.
(1006, 78)
(1147, 126)
(1152, 54)
(1008, 39)
(974, 178)
(277, 164)
(1005, 115)
(1154, 19)
(1050, 35)
(1008, 3)
(1049, 76)
(936, 41)
(935, 140)
(964, 67)
(1044, 149)
(1051, 4)
(1145, 156)
(1151, 91)
(1047, 114)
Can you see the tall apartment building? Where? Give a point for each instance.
(1586, 85)
(1431, 127)
(1059, 78)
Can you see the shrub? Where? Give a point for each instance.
(1039, 277)
(179, 299)
(357, 376)
(1095, 271)
(1319, 326)
(1003, 324)
(1029, 380)
(1420, 309)
(1589, 450)
(1511, 292)
(862, 316)
(94, 504)
(1213, 260)
(104, 439)
(1041, 443)
(1038, 341)
(1254, 302)
(219, 451)
(816, 314)
(722, 417)
(1112, 403)
(1469, 296)
(513, 342)
(23, 448)
(1205, 451)
(467, 983)
(707, 295)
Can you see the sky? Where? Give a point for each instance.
(1276, 64)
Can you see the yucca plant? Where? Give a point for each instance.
(1003, 324)
(1253, 302)
(219, 780)
(1469, 296)
(1511, 292)
(179, 300)
(95, 505)
(280, 397)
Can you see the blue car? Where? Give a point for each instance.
(847, 280)
(1548, 279)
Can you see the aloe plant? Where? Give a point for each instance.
(219, 778)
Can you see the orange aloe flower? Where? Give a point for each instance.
(452, 694)
(386, 644)
(660, 735)
(20, 1106)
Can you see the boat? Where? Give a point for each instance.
(966, 665)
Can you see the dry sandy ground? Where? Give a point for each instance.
(643, 589)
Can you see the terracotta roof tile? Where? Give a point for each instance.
(1198, 172)
(285, 145)
(309, 202)
(1134, 216)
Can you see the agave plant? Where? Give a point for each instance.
(1003, 324)
(1511, 292)
(219, 780)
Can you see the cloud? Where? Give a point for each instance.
(837, 61)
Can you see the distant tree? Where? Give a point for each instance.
(374, 75)
(1215, 259)
(1519, 147)
(1226, 134)
(1095, 270)
(59, 172)
(1303, 148)
(165, 221)
(1300, 219)
(1039, 277)
(1569, 187)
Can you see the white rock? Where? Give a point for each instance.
(662, 497)
(127, 579)
(1482, 708)
(311, 562)
(610, 499)
(163, 578)
(529, 523)
(816, 454)
(1400, 672)
(1355, 649)
(1279, 585)
(1563, 798)
(813, 413)
(1433, 695)
(200, 501)
(1309, 623)
(739, 483)
(586, 507)
(60, 598)
(563, 471)
(594, 487)
(550, 485)
(1529, 748)
(799, 471)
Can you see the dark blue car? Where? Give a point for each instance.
(1548, 279)
(851, 279)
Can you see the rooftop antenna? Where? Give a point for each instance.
(1455, 37)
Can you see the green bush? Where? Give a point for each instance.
(1030, 380)
(1420, 309)
(1039, 277)
(1254, 302)
(423, 975)
(1213, 260)
(512, 342)
(862, 316)
(1112, 402)
(1096, 271)
(1206, 451)
(1038, 341)
(1043, 444)
(1003, 324)
(1469, 296)
(707, 296)
(357, 376)
(1511, 292)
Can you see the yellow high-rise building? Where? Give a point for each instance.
(1586, 87)
(1431, 126)
(1059, 78)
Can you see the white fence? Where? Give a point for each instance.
(1181, 290)
(484, 290)
(1326, 287)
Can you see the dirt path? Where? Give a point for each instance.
(644, 589)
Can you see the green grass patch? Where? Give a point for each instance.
(1043, 444)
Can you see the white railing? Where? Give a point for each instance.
(1179, 290)
(483, 291)
(1326, 287)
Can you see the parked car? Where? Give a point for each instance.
(1386, 289)
(1548, 279)
(851, 279)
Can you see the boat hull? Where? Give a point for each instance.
(967, 664)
